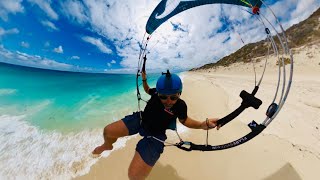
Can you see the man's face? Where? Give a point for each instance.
(169, 100)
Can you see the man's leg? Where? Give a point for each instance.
(148, 152)
(110, 134)
(138, 169)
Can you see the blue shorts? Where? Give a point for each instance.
(149, 148)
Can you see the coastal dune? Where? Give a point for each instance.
(288, 149)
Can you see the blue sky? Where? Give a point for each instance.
(104, 35)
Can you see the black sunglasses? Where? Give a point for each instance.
(165, 97)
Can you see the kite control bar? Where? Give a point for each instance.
(255, 130)
(248, 100)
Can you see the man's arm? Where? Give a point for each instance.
(144, 82)
(207, 124)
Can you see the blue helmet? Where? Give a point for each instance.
(169, 84)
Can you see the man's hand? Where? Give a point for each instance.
(210, 124)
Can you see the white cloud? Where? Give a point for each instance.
(5, 53)
(179, 49)
(75, 57)
(49, 25)
(98, 43)
(4, 32)
(204, 39)
(25, 44)
(54, 64)
(126, 31)
(75, 11)
(31, 60)
(194, 46)
(303, 10)
(9, 6)
(46, 7)
(58, 50)
(37, 61)
(111, 62)
(24, 56)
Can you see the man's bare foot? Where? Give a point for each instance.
(100, 149)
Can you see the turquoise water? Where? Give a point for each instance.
(50, 121)
(66, 101)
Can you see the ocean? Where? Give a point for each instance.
(50, 121)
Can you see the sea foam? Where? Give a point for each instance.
(27, 152)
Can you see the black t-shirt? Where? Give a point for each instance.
(155, 119)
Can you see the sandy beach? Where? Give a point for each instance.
(288, 149)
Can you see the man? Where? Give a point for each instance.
(163, 108)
